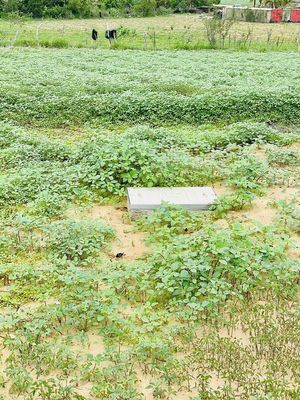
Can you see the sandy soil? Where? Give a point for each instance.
(127, 241)
(262, 211)
(132, 244)
(221, 190)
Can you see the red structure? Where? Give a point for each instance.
(277, 14)
(295, 15)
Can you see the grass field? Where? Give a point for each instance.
(172, 305)
(171, 32)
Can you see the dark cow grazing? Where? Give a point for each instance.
(94, 34)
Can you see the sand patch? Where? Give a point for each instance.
(260, 153)
(295, 252)
(237, 333)
(127, 241)
(222, 190)
(4, 354)
(261, 210)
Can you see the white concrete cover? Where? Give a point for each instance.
(192, 198)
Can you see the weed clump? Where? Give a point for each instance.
(77, 241)
(214, 264)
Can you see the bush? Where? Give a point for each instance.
(283, 156)
(214, 264)
(47, 204)
(113, 165)
(228, 90)
(77, 241)
(145, 8)
(169, 220)
(58, 43)
(245, 133)
(232, 202)
(248, 173)
(26, 184)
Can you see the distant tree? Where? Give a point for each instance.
(145, 8)
(217, 29)
(188, 4)
(275, 3)
(35, 8)
(80, 8)
(9, 6)
(89, 8)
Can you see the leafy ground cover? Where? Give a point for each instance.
(173, 305)
(114, 87)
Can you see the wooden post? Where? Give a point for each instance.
(37, 32)
(145, 41)
(16, 36)
(109, 41)
(154, 40)
(86, 37)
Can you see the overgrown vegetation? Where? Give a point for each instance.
(166, 32)
(211, 310)
(227, 87)
(104, 8)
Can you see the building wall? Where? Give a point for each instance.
(248, 14)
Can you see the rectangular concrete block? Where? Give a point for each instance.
(191, 198)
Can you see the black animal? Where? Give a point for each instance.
(120, 255)
(111, 34)
(94, 34)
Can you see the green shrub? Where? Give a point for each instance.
(26, 184)
(77, 241)
(112, 165)
(10, 134)
(22, 154)
(249, 173)
(57, 43)
(232, 202)
(214, 264)
(283, 156)
(113, 382)
(18, 148)
(245, 133)
(169, 220)
(27, 43)
(288, 215)
(47, 204)
(229, 88)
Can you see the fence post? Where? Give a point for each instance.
(37, 32)
(16, 37)
(86, 37)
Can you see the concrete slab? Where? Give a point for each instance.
(191, 198)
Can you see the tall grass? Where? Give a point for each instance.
(170, 32)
